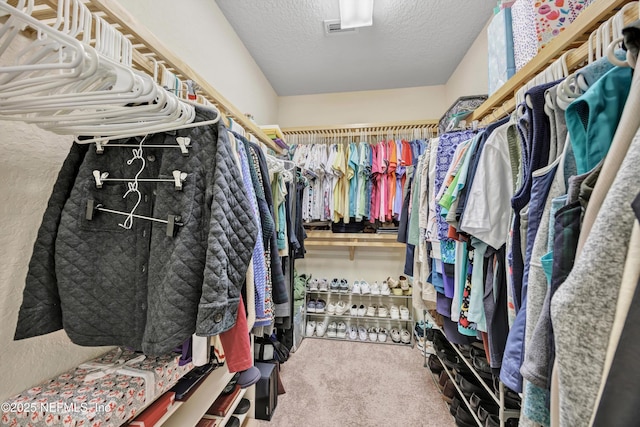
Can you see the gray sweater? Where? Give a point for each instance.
(583, 308)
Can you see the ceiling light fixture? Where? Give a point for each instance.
(356, 13)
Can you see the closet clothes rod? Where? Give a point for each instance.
(148, 51)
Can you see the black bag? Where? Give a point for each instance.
(268, 348)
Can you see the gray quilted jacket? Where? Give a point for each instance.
(139, 288)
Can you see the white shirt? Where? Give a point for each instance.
(487, 212)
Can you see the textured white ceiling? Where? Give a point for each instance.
(411, 43)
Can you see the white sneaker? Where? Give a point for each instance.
(404, 312)
(341, 330)
(405, 336)
(353, 333)
(313, 285)
(362, 333)
(375, 288)
(331, 308)
(371, 310)
(354, 310)
(362, 310)
(395, 313)
(323, 285)
(383, 311)
(365, 288)
(311, 327)
(332, 330)
(373, 334)
(341, 308)
(395, 335)
(321, 328)
(382, 335)
(384, 289)
(356, 287)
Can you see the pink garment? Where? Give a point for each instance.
(383, 161)
(236, 345)
(375, 188)
(392, 152)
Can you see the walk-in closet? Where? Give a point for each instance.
(319, 213)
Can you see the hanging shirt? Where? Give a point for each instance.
(354, 178)
(593, 118)
(487, 214)
(391, 178)
(331, 181)
(364, 169)
(383, 161)
(375, 184)
(339, 171)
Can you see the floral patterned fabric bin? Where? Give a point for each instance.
(106, 392)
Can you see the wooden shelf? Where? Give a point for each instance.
(147, 48)
(575, 35)
(223, 420)
(189, 412)
(352, 240)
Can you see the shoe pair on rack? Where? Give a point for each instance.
(339, 285)
(358, 311)
(316, 306)
(361, 287)
(318, 327)
(377, 334)
(399, 313)
(318, 285)
(359, 332)
(400, 336)
(336, 330)
(399, 287)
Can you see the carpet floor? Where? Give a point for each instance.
(339, 383)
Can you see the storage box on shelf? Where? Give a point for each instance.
(362, 320)
(499, 399)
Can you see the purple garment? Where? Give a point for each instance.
(280, 143)
(259, 263)
(446, 149)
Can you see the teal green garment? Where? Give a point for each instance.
(471, 331)
(413, 236)
(476, 304)
(547, 265)
(363, 175)
(353, 163)
(592, 119)
(536, 406)
(460, 178)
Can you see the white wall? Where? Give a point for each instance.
(369, 264)
(374, 106)
(471, 76)
(416, 103)
(29, 165)
(198, 32)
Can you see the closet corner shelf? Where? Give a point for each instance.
(575, 35)
(352, 240)
(190, 411)
(223, 420)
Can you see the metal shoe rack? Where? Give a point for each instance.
(499, 399)
(366, 300)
